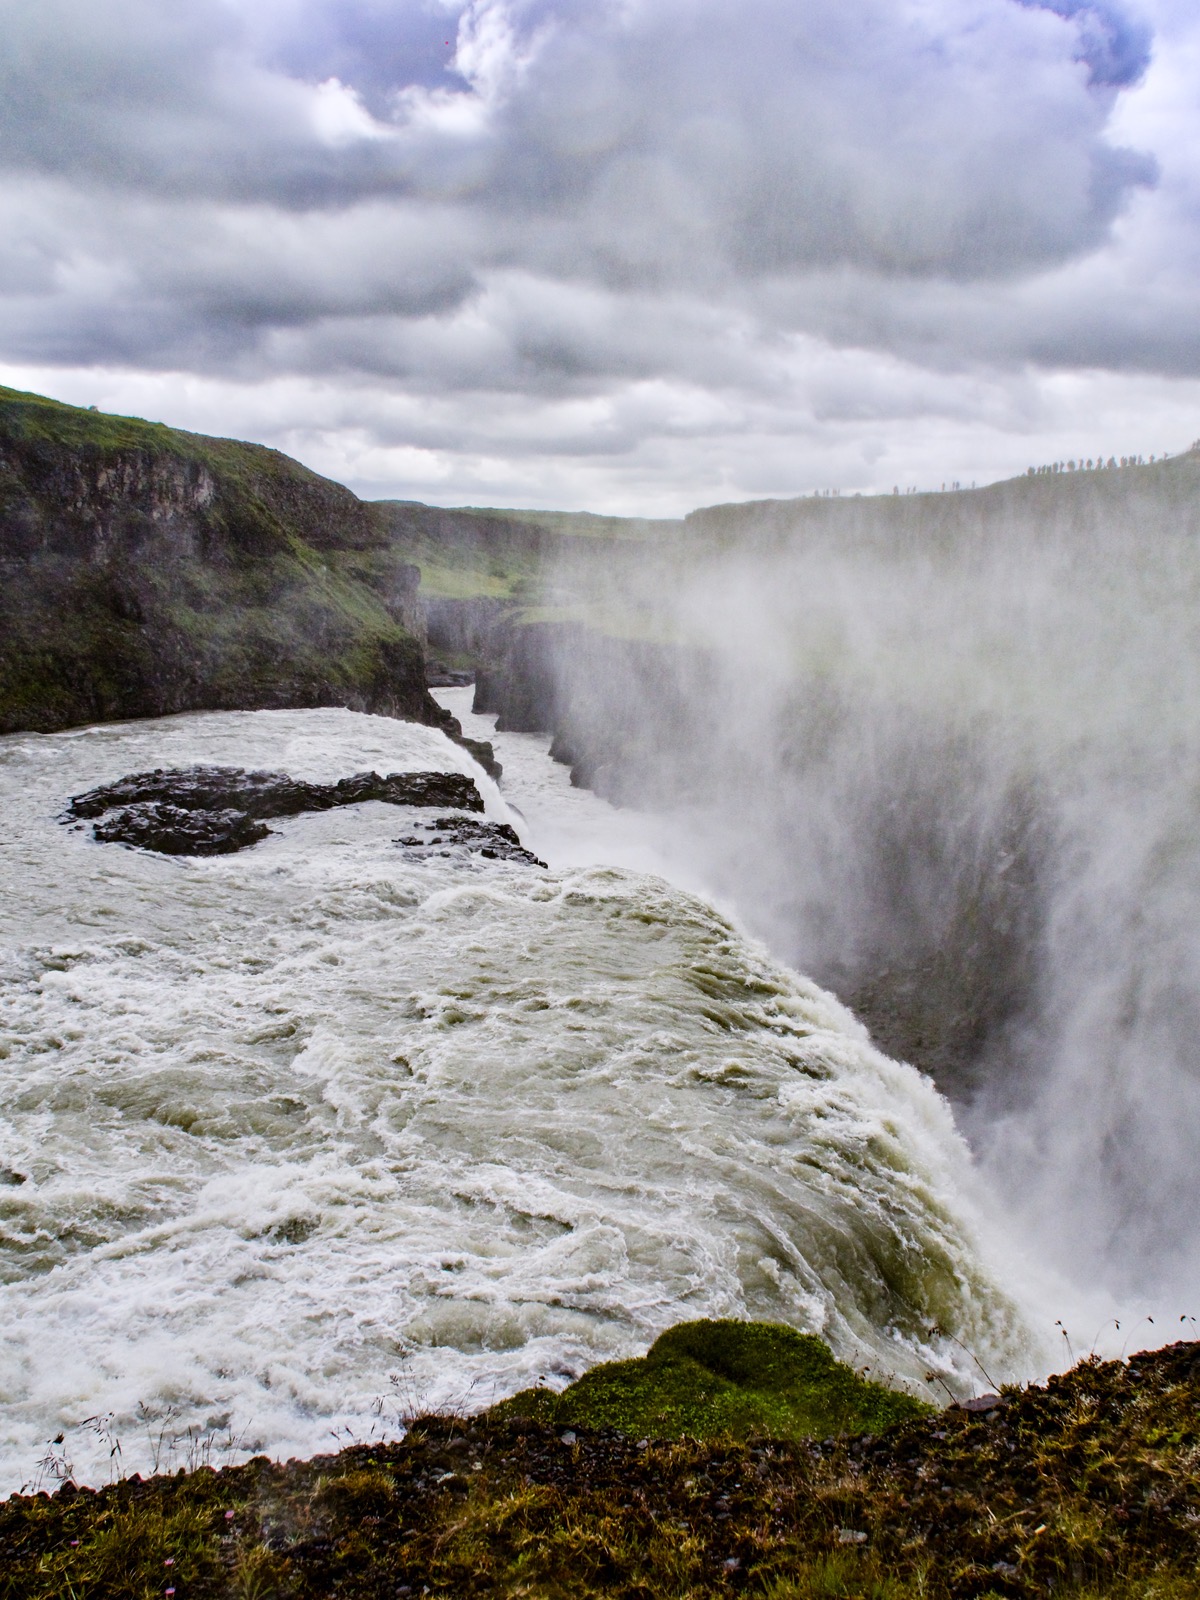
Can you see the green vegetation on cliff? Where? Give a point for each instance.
(1088, 1488)
(144, 571)
(523, 556)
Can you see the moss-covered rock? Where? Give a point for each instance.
(705, 1379)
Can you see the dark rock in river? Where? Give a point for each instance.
(205, 810)
(482, 751)
(496, 841)
(439, 676)
(177, 831)
(276, 794)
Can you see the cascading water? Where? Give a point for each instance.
(301, 1137)
(946, 759)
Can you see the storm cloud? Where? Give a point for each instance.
(675, 212)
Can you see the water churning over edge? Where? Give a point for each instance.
(320, 1131)
(946, 758)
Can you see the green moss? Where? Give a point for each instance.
(446, 582)
(705, 1379)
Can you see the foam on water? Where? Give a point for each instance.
(320, 1132)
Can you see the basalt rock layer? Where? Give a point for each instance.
(494, 841)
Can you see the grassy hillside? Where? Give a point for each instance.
(529, 557)
(487, 571)
(145, 570)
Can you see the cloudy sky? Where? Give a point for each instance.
(627, 255)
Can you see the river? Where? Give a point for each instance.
(298, 1142)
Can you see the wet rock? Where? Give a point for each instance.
(275, 794)
(174, 831)
(439, 676)
(981, 1402)
(483, 752)
(12, 1179)
(206, 810)
(495, 841)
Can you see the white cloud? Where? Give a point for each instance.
(613, 248)
(850, 420)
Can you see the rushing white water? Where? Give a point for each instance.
(573, 827)
(962, 744)
(319, 1132)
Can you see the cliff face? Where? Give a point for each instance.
(145, 571)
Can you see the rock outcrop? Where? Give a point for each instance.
(494, 841)
(145, 571)
(206, 811)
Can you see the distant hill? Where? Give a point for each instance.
(471, 552)
(1167, 490)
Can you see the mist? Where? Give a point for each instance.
(943, 754)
